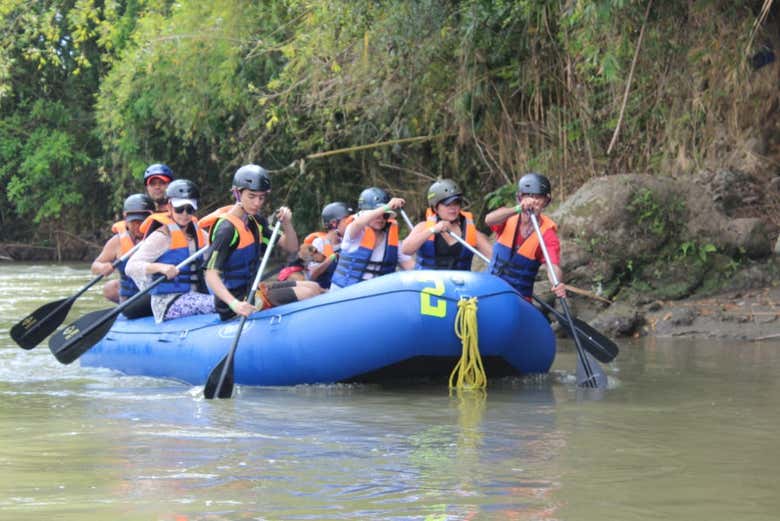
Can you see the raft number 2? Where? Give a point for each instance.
(429, 304)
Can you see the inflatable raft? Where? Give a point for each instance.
(400, 325)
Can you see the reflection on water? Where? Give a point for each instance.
(686, 431)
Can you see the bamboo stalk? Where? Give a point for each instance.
(630, 78)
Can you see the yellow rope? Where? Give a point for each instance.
(469, 369)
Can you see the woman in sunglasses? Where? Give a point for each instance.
(433, 240)
(370, 246)
(170, 239)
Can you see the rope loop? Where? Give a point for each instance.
(469, 369)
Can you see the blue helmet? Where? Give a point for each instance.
(372, 197)
(158, 169)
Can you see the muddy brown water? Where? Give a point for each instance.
(687, 430)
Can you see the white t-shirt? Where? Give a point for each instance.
(350, 244)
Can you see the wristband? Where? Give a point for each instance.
(232, 305)
(332, 257)
(432, 229)
(518, 209)
(386, 208)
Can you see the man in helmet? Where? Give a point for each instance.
(370, 246)
(327, 243)
(170, 239)
(239, 239)
(517, 254)
(127, 233)
(156, 179)
(433, 240)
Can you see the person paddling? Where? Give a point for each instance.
(239, 239)
(127, 233)
(370, 246)
(170, 239)
(433, 241)
(517, 254)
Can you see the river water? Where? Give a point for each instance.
(686, 431)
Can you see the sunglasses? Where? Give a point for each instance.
(186, 208)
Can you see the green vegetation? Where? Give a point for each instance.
(91, 92)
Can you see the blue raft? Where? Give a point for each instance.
(398, 325)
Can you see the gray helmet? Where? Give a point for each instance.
(158, 169)
(253, 177)
(334, 212)
(182, 189)
(442, 190)
(138, 203)
(372, 197)
(533, 184)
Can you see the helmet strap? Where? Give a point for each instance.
(237, 194)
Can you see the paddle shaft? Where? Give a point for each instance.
(72, 341)
(38, 323)
(590, 380)
(406, 219)
(226, 375)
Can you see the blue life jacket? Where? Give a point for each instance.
(353, 265)
(240, 267)
(517, 264)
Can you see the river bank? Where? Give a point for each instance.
(748, 315)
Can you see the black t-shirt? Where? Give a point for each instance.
(224, 241)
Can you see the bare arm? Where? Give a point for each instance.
(322, 267)
(288, 239)
(500, 215)
(416, 238)
(142, 262)
(103, 264)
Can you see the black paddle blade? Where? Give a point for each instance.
(71, 342)
(212, 388)
(30, 331)
(602, 348)
(593, 377)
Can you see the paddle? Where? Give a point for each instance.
(587, 376)
(602, 348)
(76, 339)
(406, 218)
(30, 331)
(220, 380)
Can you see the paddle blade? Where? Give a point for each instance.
(213, 388)
(71, 342)
(594, 378)
(601, 347)
(30, 331)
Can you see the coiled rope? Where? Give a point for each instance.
(469, 369)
